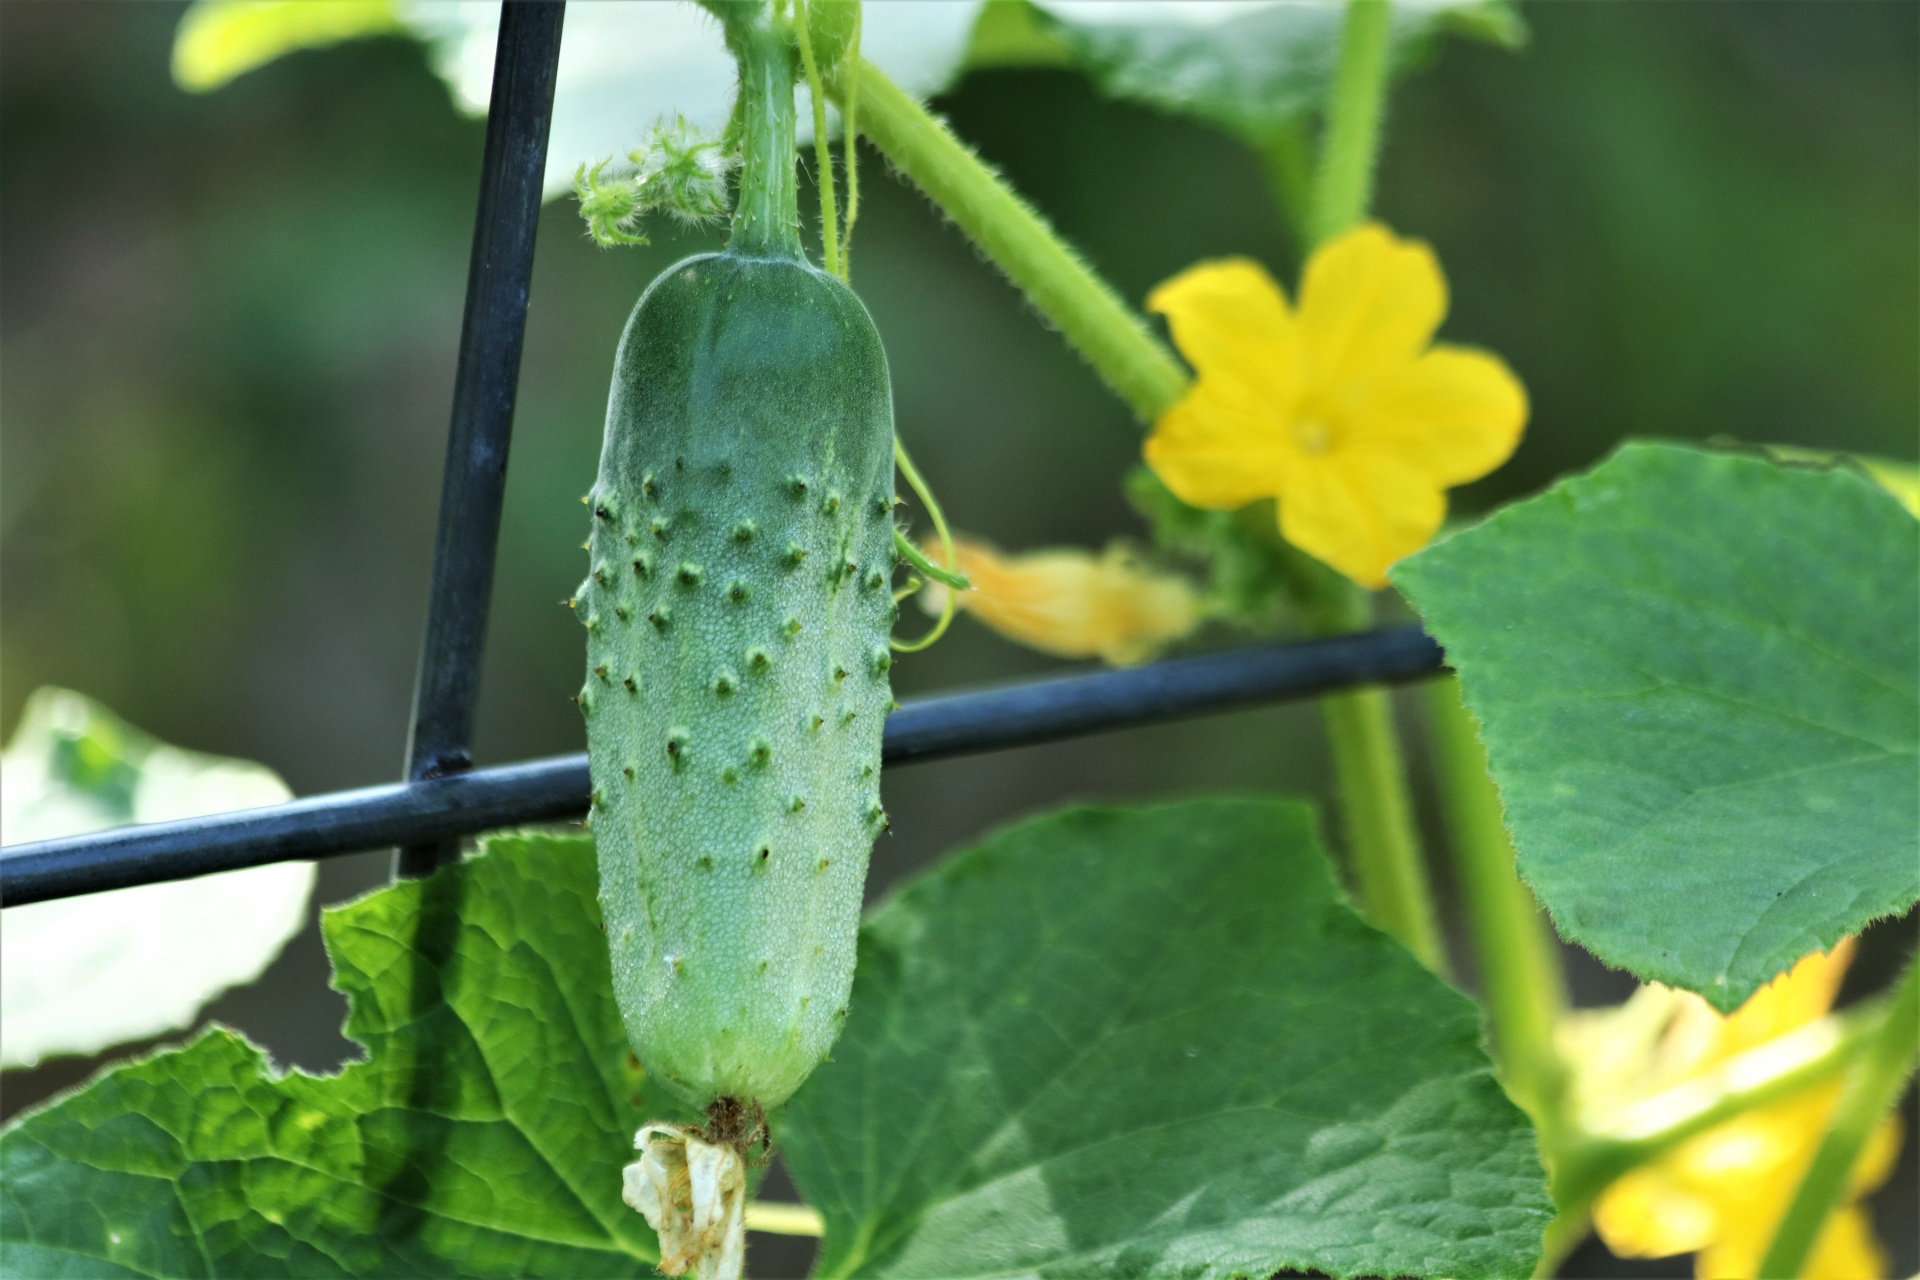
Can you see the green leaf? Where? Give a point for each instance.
(482, 1136)
(1698, 676)
(1244, 70)
(625, 66)
(1156, 1042)
(79, 974)
(221, 39)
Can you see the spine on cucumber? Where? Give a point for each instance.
(737, 612)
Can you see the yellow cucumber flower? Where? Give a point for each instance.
(1073, 603)
(1344, 409)
(1721, 1195)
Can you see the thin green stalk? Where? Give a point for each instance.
(924, 492)
(1389, 873)
(1114, 338)
(1344, 189)
(915, 557)
(1384, 859)
(822, 156)
(766, 217)
(1519, 964)
(850, 147)
(1875, 1087)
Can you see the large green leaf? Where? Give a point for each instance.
(482, 1136)
(1155, 1042)
(1244, 68)
(1698, 675)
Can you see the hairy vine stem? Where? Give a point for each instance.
(1519, 965)
(1090, 315)
(1343, 189)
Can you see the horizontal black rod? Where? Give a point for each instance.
(557, 788)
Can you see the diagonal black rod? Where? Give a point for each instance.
(485, 380)
(443, 809)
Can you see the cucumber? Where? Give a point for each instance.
(737, 612)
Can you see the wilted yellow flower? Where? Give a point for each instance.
(1072, 603)
(1343, 410)
(1721, 1195)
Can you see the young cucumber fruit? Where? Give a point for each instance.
(737, 613)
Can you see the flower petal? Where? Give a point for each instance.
(1073, 603)
(1221, 446)
(1647, 1215)
(1231, 321)
(1454, 415)
(1846, 1249)
(1360, 514)
(1369, 303)
(1801, 995)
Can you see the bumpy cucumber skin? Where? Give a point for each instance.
(737, 612)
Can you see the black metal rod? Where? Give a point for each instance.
(443, 809)
(485, 381)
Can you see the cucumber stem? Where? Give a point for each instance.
(766, 216)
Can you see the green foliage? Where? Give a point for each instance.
(79, 974)
(221, 39)
(1174, 991)
(1699, 679)
(483, 1135)
(1156, 1042)
(1246, 74)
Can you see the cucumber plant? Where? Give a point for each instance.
(737, 614)
(1147, 1042)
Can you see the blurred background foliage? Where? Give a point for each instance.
(227, 331)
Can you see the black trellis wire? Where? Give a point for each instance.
(442, 809)
(444, 797)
